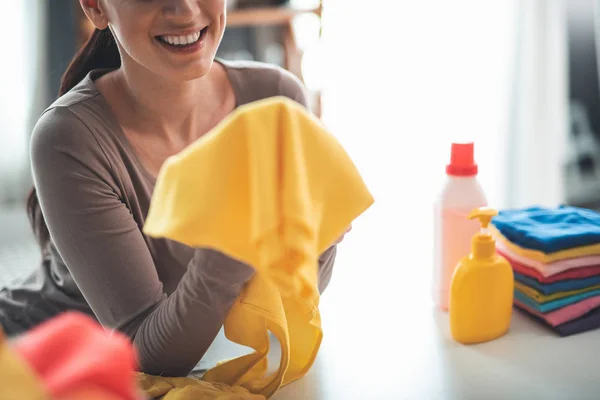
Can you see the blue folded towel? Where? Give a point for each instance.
(554, 304)
(559, 286)
(549, 229)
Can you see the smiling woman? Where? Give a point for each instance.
(144, 86)
(138, 27)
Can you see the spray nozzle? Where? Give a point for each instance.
(485, 215)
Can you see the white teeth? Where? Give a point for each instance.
(182, 40)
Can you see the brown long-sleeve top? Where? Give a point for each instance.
(94, 194)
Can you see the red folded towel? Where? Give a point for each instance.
(575, 273)
(75, 358)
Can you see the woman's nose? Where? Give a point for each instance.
(183, 10)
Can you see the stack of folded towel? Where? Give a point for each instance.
(555, 254)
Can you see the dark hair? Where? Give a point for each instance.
(99, 52)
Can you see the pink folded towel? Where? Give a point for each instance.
(565, 314)
(552, 268)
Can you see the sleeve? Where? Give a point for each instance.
(104, 250)
(290, 86)
(326, 262)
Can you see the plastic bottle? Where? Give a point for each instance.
(453, 231)
(481, 292)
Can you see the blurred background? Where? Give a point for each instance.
(396, 81)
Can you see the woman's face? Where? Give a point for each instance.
(176, 39)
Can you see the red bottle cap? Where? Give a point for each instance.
(462, 162)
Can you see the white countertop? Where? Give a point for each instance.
(383, 339)
(398, 347)
(417, 359)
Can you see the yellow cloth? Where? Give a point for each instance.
(270, 187)
(17, 380)
(191, 389)
(546, 258)
(542, 298)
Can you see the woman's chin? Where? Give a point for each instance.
(199, 70)
(188, 71)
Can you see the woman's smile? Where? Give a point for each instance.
(184, 42)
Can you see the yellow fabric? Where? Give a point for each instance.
(270, 187)
(547, 258)
(17, 380)
(542, 298)
(191, 389)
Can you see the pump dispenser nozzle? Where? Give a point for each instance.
(483, 244)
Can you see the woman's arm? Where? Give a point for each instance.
(105, 252)
(326, 262)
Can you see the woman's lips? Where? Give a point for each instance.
(184, 43)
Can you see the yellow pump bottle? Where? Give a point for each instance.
(481, 291)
